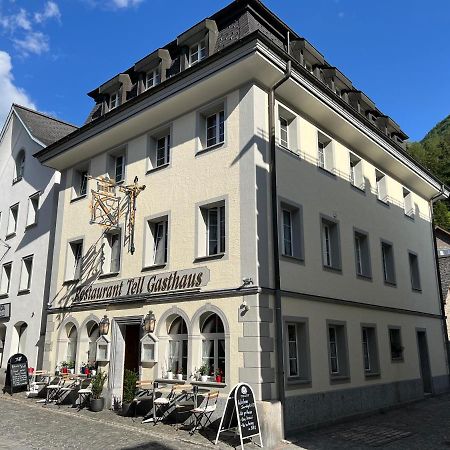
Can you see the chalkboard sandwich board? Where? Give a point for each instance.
(16, 373)
(240, 413)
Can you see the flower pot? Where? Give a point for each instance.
(96, 404)
(72, 371)
(204, 378)
(180, 376)
(93, 372)
(218, 378)
(170, 375)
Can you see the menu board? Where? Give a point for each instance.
(240, 413)
(246, 408)
(17, 372)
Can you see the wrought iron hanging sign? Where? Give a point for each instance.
(107, 208)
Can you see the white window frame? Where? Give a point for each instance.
(408, 203)
(13, 219)
(33, 208)
(284, 131)
(381, 189)
(160, 231)
(152, 78)
(199, 50)
(414, 270)
(218, 137)
(5, 283)
(356, 171)
(387, 259)
(287, 228)
(295, 358)
(162, 156)
(111, 238)
(326, 245)
(26, 274)
(221, 230)
(114, 100)
(325, 152)
(74, 260)
(118, 157)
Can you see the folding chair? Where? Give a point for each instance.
(182, 403)
(205, 411)
(161, 403)
(70, 385)
(51, 390)
(144, 392)
(84, 394)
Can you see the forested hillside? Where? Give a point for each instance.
(433, 151)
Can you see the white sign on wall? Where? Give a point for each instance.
(160, 283)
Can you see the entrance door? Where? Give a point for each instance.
(424, 361)
(132, 340)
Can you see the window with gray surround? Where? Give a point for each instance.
(291, 230)
(414, 271)
(157, 241)
(331, 253)
(287, 129)
(211, 126)
(387, 258)
(337, 350)
(325, 152)
(80, 181)
(370, 350)
(297, 350)
(362, 254)
(111, 251)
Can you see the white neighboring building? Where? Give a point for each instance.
(28, 203)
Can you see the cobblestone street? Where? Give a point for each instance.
(27, 425)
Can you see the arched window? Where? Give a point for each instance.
(93, 335)
(20, 166)
(213, 343)
(22, 332)
(178, 346)
(72, 335)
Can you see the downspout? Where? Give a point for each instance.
(438, 275)
(275, 240)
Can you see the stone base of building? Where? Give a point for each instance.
(304, 411)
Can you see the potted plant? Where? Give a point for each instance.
(71, 366)
(64, 368)
(97, 402)
(169, 374)
(219, 375)
(203, 371)
(129, 390)
(180, 373)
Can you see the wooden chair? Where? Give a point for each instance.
(144, 392)
(163, 404)
(205, 411)
(182, 403)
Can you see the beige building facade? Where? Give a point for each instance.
(347, 319)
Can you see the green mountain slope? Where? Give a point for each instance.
(433, 151)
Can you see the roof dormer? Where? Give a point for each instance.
(307, 55)
(152, 69)
(197, 43)
(337, 81)
(113, 93)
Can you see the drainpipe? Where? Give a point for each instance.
(438, 274)
(275, 240)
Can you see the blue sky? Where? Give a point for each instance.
(53, 52)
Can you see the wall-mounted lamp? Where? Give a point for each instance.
(149, 323)
(244, 307)
(247, 281)
(103, 326)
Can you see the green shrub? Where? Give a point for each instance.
(97, 384)
(129, 386)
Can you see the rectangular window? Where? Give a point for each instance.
(387, 256)
(362, 254)
(395, 341)
(152, 78)
(284, 132)
(12, 221)
(370, 350)
(324, 152)
(381, 190)
(80, 182)
(111, 252)
(114, 100)
(33, 206)
(414, 271)
(6, 278)
(119, 168)
(292, 342)
(163, 150)
(337, 350)
(408, 203)
(287, 233)
(215, 226)
(160, 230)
(197, 52)
(25, 275)
(331, 256)
(215, 131)
(356, 172)
(74, 260)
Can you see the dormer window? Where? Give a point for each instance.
(197, 52)
(152, 78)
(114, 100)
(19, 167)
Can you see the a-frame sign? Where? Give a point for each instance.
(240, 414)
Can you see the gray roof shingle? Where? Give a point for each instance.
(44, 128)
